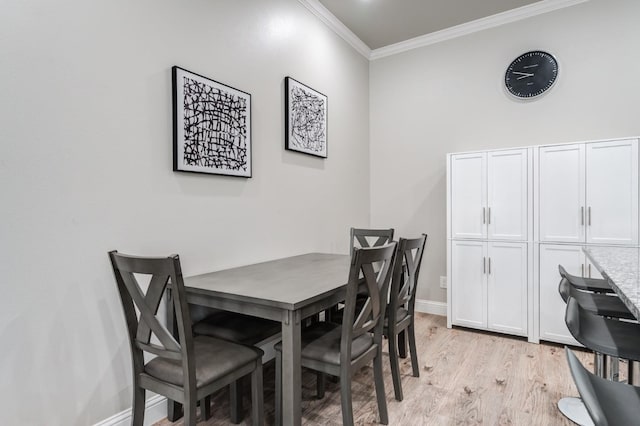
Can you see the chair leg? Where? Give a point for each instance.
(174, 412)
(190, 406)
(413, 350)
(235, 397)
(379, 380)
(402, 343)
(345, 397)
(320, 382)
(395, 366)
(278, 397)
(257, 399)
(138, 406)
(205, 407)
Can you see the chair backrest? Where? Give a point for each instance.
(163, 272)
(364, 238)
(405, 274)
(365, 279)
(584, 383)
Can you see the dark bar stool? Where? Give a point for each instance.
(617, 339)
(607, 305)
(596, 285)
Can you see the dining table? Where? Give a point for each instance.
(286, 290)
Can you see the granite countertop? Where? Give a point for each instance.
(622, 266)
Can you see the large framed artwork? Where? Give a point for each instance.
(211, 126)
(306, 112)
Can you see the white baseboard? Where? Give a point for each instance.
(431, 307)
(155, 410)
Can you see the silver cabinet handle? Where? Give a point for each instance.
(489, 266)
(582, 216)
(484, 215)
(589, 215)
(484, 265)
(582, 270)
(489, 216)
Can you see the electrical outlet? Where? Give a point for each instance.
(443, 282)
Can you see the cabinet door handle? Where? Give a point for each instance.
(484, 265)
(589, 268)
(589, 215)
(489, 216)
(582, 270)
(484, 215)
(489, 266)
(582, 216)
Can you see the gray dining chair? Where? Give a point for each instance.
(400, 321)
(245, 330)
(185, 369)
(343, 349)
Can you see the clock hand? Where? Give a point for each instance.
(531, 66)
(525, 74)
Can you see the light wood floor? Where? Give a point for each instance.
(466, 377)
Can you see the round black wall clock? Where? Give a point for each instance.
(531, 74)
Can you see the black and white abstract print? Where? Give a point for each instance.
(212, 126)
(306, 119)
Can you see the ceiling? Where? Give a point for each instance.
(380, 23)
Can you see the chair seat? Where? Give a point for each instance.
(214, 358)
(401, 314)
(236, 327)
(607, 336)
(321, 342)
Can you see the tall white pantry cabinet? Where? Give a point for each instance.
(513, 215)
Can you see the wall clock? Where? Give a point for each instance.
(531, 74)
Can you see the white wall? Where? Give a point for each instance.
(449, 97)
(86, 167)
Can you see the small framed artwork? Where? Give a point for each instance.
(211, 126)
(306, 112)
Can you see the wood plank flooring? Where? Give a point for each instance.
(466, 377)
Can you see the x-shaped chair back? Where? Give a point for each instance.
(364, 238)
(163, 272)
(364, 279)
(406, 271)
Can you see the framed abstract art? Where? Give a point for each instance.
(211, 126)
(306, 113)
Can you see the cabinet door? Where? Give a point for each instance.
(507, 194)
(612, 192)
(552, 308)
(562, 193)
(507, 287)
(468, 196)
(468, 283)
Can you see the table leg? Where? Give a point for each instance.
(291, 369)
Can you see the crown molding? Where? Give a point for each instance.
(337, 26)
(492, 21)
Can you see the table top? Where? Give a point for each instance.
(290, 283)
(622, 266)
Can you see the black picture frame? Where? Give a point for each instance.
(306, 119)
(211, 126)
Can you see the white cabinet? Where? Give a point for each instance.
(468, 195)
(612, 192)
(589, 193)
(488, 193)
(489, 285)
(469, 283)
(552, 307)
(507, 287)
